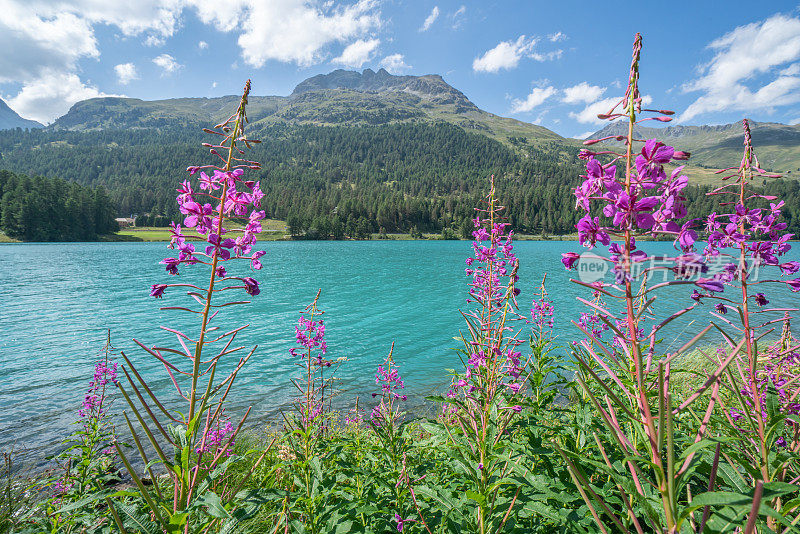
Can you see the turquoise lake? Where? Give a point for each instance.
(59, 299)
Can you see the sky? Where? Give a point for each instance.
(556, 64)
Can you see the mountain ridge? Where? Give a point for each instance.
(718, 146)
(10, 119)
(338, 98)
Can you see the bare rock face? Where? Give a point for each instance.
(430, 87)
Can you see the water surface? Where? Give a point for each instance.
(59, 299)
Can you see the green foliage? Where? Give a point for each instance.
(44, 209)
(17, 492)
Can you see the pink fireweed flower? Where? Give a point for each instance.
(236, 198)
(210, 183)
(216, 440)
(569, 259)
(251, 286)
(386, 412)
(93, 401)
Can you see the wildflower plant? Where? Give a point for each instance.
(486, 397)
(88, 461)
(182, 439)
(307, 425)
(749, 242)
(393, 443)
(652, 445)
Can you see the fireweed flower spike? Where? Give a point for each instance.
(488, 395)
(309, 355)
(625, 195)
(749, 240)
(193, 441)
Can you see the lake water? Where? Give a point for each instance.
(59, 299)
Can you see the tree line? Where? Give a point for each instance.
(335, 182)
(52, 209)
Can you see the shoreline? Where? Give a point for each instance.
(162, 235)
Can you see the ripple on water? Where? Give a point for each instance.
(59, 299)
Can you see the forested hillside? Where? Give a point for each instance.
(396, 176)
(327, 181)
(50, 209)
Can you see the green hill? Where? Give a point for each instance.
(777, 145)
(9, 119)
(347, 153)
(339, 98)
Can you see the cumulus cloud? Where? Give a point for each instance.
(167, 63)
(357, 53)
(556, 37)
(202, 45)
(51, 96)
(536, 98)
(430, 19)
(154, 40)
(39, 43)
(745, 73)
(583, 92)
(126, 72)
(290, 31)
(395, 64)
(507, 55)
(49, 38)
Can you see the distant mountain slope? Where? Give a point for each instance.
(116, 113)
(9, 119)
(341, 98)
(777, 145)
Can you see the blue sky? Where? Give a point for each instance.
(553, 63)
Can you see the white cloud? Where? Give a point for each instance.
(167, 63)
(507, 54)
(791, 70)
(126, 72)
(430, 19)
(154, 40)
(749, 54)
(584, 135)
(357, 53)
(202, 45)
(588, 115)
(53, 43)
(583, 92)
(49, 38)
(395, 64)
(458, 16)
(556, 37)
(51, 96)
(290, 31)
(536, 97)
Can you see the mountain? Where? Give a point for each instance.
(776, 145)
(9, 119)
(340, 98)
